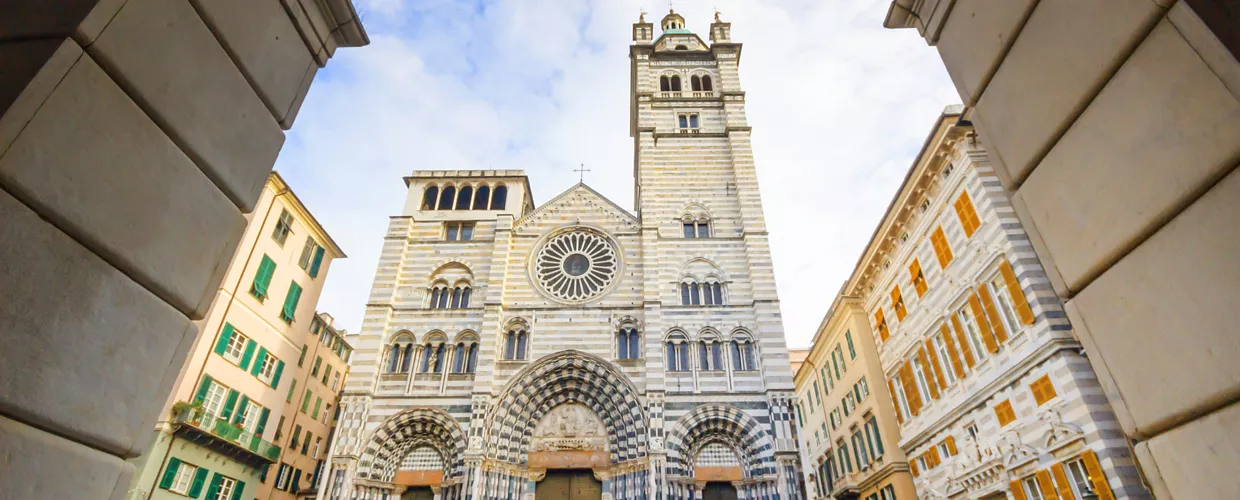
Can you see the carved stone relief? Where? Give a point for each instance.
(569, 427)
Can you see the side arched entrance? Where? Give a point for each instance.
(416, 451)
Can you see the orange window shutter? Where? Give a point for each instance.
(929, 373)
(1017, 492)
(891, 388)
(1044, 484)
(951, 350)
(1096, 476)
(897, 303)
(1004, 412)
(912, 465)
(951, 445)
(935, 365)
(1018, 295)
(967, 214)
(910, 389)
(881, 323)
(992, 313)
(1043, 390)
(941, 250)
(934, 457)
(964, 342)
(979, 315)
(1061, 482)
(919, 281)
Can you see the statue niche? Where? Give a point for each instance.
(570, 427)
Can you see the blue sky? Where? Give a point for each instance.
(839, 107)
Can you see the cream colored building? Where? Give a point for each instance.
(994, 396)
(1115, 125)
(574, 349)
(847, 422)
(216, 435)
(135, 137)
(305, 429)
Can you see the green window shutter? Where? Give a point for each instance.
(305, 402)
(202, 389)
(239, 415)
(214, 489)
(290, 302)
(262, 422)
(318, 403)
(302, 359)
(318, 261)
(170, 473)
(249, 353)
(291, 388)
(221, 345)
(237, 489)
(296, 484)
(200, 479)
(258, 361)
(262, 278)
(275, 377)
(229, 403)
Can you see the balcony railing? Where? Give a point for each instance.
(679, 94)
(228, 434)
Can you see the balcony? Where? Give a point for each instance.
(220, 434)
(683, 94)
(847, 487)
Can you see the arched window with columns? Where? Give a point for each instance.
(516, 341)
(464, 198)
(676, 352)
(743, 352)
(429, 197)
(708, 293)
(433, 352)
(482, 198)
(710, 352)
(400, 353)
(465, 353)
(628, 342)
(446, 197)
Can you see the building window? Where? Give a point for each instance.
(859, 449)
(289, 311)
(236, 346)
(429, 197)
(710, 354)
(999, 290)
(677, 353)
(482, 197)
(464, 198)
(283, 477)
(697, 229)
(262, 278)
(284, 226)
(897, 303)
(972, 430)
(628, 343)
(873, 437)
(838, 356)
(687, 121)
(446, 197)
(1043, 390)
(710, 293)
(919, 376)
(223, 487)
(889, 492)
(852, 352)
(919, 279)
(311, 257)
(861, 389)
(944, 355)
(941, 249)
(845, 462)
(515, 342)
(1005, 413)
(183, 476)
(267, 368)
(976, 344)
(880, 324)
(742, 352)
(1078, 477)
(967, 214)
(250, 416)
(458, 231)
(901, 399)
(1032, 491)
(499, 197)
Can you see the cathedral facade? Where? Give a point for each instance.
(574, 349)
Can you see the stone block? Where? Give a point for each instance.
(97, 20)
(30, 19)
(92, 163)
(1208, 46)
(1162, 130)
(1065, 53)
(974, 38)
(41, 465)
(1198, 460)
(267, 47)
(89, 349)
(32, 68)
(1161, 324)
(172, 65)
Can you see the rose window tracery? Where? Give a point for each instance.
(576, 266)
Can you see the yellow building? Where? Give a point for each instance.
(847, 423)
(310, 414)
(993, 394)
(220, 428)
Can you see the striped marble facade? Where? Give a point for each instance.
(657, 422)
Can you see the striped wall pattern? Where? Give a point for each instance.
(572, 353)
(409, 430)
(1047, 347)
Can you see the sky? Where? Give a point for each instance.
(839, 107)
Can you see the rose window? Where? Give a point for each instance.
(576, 266)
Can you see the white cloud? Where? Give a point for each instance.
(839, 107)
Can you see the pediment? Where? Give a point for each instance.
(577, 206)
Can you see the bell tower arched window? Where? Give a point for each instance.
(695, 82)
(443, 297)
(706, 83)
(743, 353)
(499, 197)
(464, 198)
(400, 355)
(433, 354)
(446, 197)
(665, 83)
(482, 197)
(675, 83)
(693, 293)
(465, 354)
(429, 197)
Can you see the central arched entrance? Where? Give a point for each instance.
(569, 484)
(717, 490)
(418, 493)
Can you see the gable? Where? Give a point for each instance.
(578, 205)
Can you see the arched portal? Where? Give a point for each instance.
(704, 435)
(410, 432)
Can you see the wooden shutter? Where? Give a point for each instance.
(200, 479)
(275, 377)
(881, 323)
(229, 403)
(290, 301)
(214, 489)
(170, 473)
(1096, 475)
(897, 303)
(967, 214)
(258, 361)
(891, 388)
(992, 313)
(249, 354)
(929, 374)
(262, 422)
(957, 366)
(221, 345)
(1061, 482)
(1043, 390)
(1018, 295)
(318, 261)
(912, 465)
(1047, 487)
(951, 445)
(239, 415)
(979, 317)
(941, 249)
(237, 489)
(933, 457)
(202, 389)
(1017, 491)
(934, 364)
(965, 348)
(910, 389)
(262, 278)
(1005, 413)
(318, 403)
(919, 281)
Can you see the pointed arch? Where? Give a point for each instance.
(408, 430)
(567, 377)
(725, 424)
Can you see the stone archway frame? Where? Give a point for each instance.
(410, 429)
(725, 424)
(566, 377)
